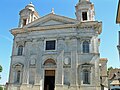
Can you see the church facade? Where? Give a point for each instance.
(55, 52)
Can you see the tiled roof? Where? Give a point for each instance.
(114, 73)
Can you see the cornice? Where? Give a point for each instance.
(51, 17)
(95, 25)
(42, 28)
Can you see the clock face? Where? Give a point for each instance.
(66, 61)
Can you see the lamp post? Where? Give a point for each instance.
(118, 22)
(118, 46)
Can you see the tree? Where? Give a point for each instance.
(0, 76)
(110, 68)
(0, 70)
(1, 88)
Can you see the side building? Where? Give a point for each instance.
(55, 52)
(114, 79)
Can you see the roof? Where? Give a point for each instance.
(118, 13)
(56, 22)
(114, 73)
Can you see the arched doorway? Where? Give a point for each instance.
(49, 80)
(49, 75)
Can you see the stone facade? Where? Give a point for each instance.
(58, 48)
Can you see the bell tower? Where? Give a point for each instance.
(28, 15)
(85, 10)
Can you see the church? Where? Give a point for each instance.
(55, 52)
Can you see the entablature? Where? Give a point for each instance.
(90, 25)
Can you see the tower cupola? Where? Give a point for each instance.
(85, 10)
(83, 0)
(30, 6)
(28, 15)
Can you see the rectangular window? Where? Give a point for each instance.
(20, 50)
(50, 45)
(18, 76)
(86, 77)
(85, 47)
(84, 16)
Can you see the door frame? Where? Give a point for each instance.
(48, 69)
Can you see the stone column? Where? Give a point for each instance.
(26, 63)
(73, 68)
(73, 62)
(91, 47)
(40, 50)
(59, 70)
(95, 45)
(29, 21)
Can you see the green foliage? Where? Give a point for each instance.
(0, 71)
(0, 68)
(1, 88)
(110, 68)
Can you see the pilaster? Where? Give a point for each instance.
(26, 63)
(59, 70)
(40, 45)
(74, 61)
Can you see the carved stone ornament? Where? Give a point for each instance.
(86, 66)
(20, 43)
(17, 66)
(33, 60)
(67, 61)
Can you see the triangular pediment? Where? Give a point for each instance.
(50, 20)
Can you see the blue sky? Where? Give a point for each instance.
(105, 11)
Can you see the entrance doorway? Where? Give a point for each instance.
(49, 80)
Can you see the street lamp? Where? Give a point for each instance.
(118, 22)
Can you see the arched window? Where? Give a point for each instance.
(20, 50)
(86, 77)
(17, 74)
(85, 47)
(18, 77)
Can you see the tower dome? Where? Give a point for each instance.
(30, 6)
(83, 0)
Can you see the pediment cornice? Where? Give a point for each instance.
(97, 26)
(42, 28)
(46, 18)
